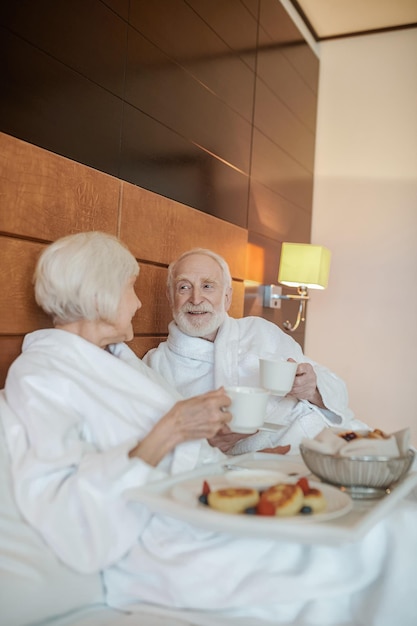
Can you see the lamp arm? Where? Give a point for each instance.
(300, 317)
(302, 297)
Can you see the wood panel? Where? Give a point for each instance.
(49, 104)
(19, 312)
(179, 228)
(159, 159)
(275, 217)
(46, 196)
(9, 350)
(55, 26)
(273, 168)
(161, 88)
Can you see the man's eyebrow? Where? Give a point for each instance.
(181, 277)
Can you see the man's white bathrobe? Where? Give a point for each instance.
(193, 365)
(76, 411)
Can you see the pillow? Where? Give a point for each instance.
(34, 584)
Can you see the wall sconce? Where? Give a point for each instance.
(304, 266)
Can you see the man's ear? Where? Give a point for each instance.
(228, 298)
(168, 295)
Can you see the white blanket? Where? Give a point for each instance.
(193, 365)
(76, 409)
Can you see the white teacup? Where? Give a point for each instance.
(277, 375)
(248, 408)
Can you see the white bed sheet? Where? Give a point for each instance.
(146, 615)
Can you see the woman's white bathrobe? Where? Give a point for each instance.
(193, 365)
(76, 410)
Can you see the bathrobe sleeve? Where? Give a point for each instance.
(73, 492)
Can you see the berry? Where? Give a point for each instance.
(265, 507)
(206, 488)
(349, 436)
(203, 498)
(303, 484)
(306, 510)
(251, 510)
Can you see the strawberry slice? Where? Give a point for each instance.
(303, 483)
(264, 507)
(206, 488)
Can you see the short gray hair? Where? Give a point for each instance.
(82, 276)
(227, 278)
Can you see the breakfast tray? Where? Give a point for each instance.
(349, 524)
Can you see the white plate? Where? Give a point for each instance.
(256, 478)
(188, 491)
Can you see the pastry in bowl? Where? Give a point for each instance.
(365, 464)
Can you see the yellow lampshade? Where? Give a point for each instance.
(304, 264)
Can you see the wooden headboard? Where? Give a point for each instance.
(45, 196)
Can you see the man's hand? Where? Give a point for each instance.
(277, 450)
(225, 439)
(305, 385)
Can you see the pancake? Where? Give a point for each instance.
(233, 499)
(315, 499)
(286, 499)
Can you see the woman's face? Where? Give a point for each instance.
(128, 306)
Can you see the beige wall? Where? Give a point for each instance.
(365, 210)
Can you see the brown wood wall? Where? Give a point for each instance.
(45, 196)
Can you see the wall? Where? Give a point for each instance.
(206, 102)
(365, 210)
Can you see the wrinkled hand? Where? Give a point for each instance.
(305, 384)
(225, 439)
(200, 417)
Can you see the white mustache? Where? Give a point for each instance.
(189, 308)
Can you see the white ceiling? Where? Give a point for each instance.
(338, 18)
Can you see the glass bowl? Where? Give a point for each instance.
(360, 476)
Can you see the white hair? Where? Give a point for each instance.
(227, 278)
(82, 276)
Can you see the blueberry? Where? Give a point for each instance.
(251, 510)
(306, 510)
(203, 499)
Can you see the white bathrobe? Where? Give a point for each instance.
(76, 410)
(193, 365)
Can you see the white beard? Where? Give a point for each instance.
(198, 325)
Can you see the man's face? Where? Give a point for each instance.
(200, 298)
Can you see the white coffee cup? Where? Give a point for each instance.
(248, 408)
(277, 375)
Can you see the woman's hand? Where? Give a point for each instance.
(201, 417)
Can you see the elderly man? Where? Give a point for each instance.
(206, 348)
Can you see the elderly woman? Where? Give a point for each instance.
(91, 421)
